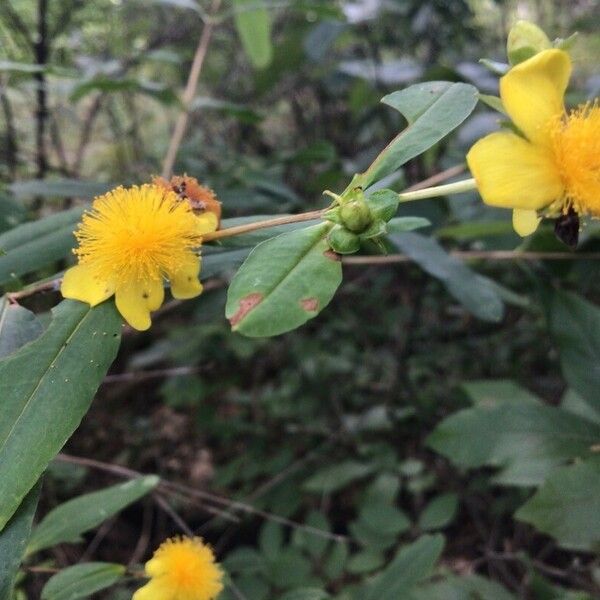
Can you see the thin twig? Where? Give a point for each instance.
(496, 255)
(138, 376)
(189, 93)
(248, 227)
(437, 178)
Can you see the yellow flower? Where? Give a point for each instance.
(554, 166)
(129, 242)
(182, 569)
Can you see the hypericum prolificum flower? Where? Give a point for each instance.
(182, 569)
(553, 164)
(129, 243)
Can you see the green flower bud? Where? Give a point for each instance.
(343, 241)
(524, 41)
(356, 216)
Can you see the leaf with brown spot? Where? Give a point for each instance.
(284, 282)
(245, 306)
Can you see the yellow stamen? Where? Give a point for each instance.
(137, 234)
(576, 149)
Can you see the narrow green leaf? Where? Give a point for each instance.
(567, 506)
(80, 581)
(529, 440)
(473, 291)
(412, 564)
(31, 246)
(17, 327)
(469, 587)
(13, 540)
(253, 24)
(402, 224)
(103, 83)
(575, 327)
(433, 110)
(46, 387)
(284, 282)
(68, 521)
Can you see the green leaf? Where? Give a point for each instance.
(490, 392)
(439, 513)
(365, 561)
(412, 564)
(59, 188)
(567, 506)
(17, 327)
(433, 110)
(380, 516)
(68, 521)
(13, 540)
(575, 327)
(253, 24)
(243, 113)
(529, 440)
(284, 282)
(80, 581)
(402, 224)
(46, 387)
(337, 476)
(305, 594)
(31, 246)
(474, 292)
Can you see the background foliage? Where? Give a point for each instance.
(432, 434)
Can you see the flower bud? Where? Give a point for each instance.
(524, 41)
(356, 216)
(343, 241)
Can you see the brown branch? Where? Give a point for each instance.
(86, 133)
(495, 255)
(437, 178)
(189, 93)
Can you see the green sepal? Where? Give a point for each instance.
(525, 40)
(343, 241)
(333, 215)
(383, 204)
(376, 229)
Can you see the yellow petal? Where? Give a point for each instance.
(184, 282)
(207, 222)
(533, 91)
(525, 222)
(153, 590)
(135, 300)
(79, 283)
(512, 173)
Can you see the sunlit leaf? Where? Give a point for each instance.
(253, 24)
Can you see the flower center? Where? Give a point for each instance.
(137, 234)
(576, 148)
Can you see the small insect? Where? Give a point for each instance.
(566, 228)
(200, 198)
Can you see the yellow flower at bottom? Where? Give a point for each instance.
(553, 168)
(130, 241)
(182, 569)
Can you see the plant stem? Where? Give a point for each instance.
(466, 185)
(189, 93)
(239, 229)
